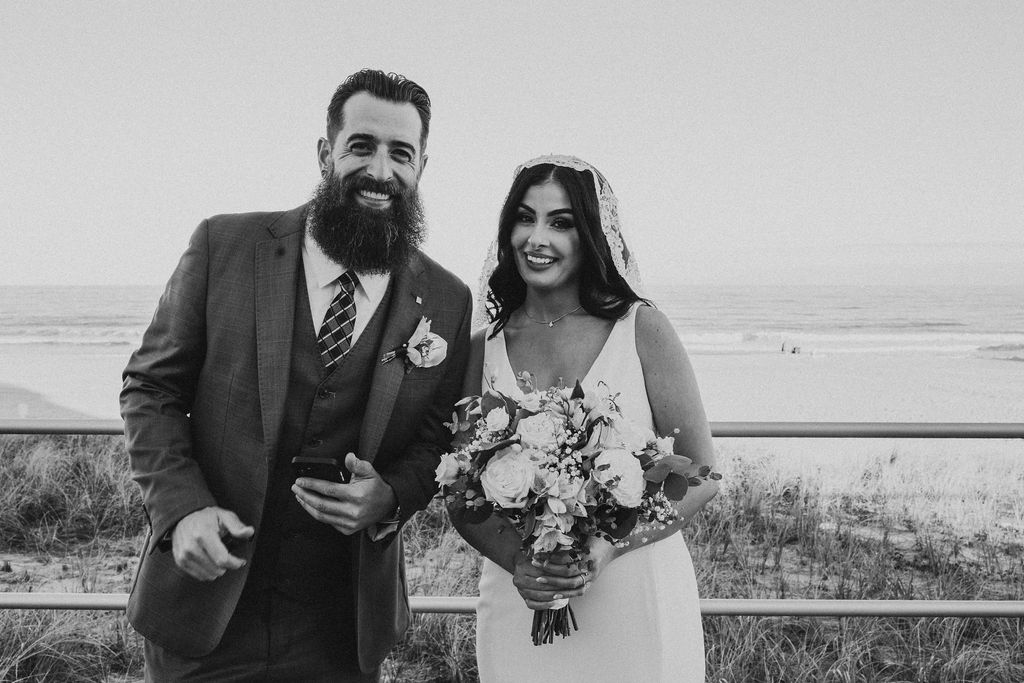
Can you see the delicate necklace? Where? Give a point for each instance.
(551, 323)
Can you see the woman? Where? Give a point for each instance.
(561, 297)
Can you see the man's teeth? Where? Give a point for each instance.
(379, 196)
(539, 260)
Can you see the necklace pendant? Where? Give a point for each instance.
(551, 324)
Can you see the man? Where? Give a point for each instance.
(283, 338)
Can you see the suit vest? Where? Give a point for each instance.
(295, 554)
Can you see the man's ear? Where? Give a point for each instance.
(423, 165)
(323, 156)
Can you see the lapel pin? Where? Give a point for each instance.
(419, 301)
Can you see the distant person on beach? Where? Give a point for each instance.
(284, 414)
(561, 296)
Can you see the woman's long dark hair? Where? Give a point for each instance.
(603, 291)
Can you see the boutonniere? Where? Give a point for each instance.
(423, 350)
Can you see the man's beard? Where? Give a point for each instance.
(360, 238)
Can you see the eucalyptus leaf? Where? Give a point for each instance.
(625, 521)
(675, 486)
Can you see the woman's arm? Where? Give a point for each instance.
(675, 404)
(495, 537)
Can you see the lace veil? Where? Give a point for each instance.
(625, 261)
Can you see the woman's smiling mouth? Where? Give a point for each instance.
(539, 259)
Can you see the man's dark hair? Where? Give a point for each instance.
(603, 291)
(387, 86)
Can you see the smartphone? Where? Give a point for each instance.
(328, 469)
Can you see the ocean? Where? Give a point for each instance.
(950, 321)
(773, 353)
(968, 322)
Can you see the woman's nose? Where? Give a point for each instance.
(538, 237)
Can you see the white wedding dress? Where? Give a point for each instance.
(640, 621)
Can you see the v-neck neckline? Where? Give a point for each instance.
(586, 375)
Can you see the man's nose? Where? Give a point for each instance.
(379, 167)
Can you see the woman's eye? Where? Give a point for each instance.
(562, 224)
(524, 218)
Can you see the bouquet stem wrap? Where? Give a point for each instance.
(548, 623)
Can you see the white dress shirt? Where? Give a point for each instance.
(322, 286)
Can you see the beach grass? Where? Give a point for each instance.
(895, 525)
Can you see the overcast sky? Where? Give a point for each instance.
(749, 143)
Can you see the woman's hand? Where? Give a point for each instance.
(543, 582)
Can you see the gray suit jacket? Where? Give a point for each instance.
(203, 401)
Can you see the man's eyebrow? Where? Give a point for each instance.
(361, 137)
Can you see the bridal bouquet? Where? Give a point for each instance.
(561, 466)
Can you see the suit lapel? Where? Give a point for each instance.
(409, 291)
(277, 269)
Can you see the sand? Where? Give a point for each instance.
(860, 387)
(43, 381)
(61, 380)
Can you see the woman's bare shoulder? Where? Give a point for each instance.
(655, 335)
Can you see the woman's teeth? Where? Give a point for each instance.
(539, 260)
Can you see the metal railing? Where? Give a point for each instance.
(709, 607)
(823, 430)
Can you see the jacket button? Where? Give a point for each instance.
(324, 394)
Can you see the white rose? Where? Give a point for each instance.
(448, 470)
(507, 478)
(620, 472)
(666, 444)
(539, 431)
(497, 419)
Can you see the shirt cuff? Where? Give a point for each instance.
(385, 527)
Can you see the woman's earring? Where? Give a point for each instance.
(323, 172)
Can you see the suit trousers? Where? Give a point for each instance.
(271, 637)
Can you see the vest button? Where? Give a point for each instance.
(314, 442)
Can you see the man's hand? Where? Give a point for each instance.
(198, 542)
(350, 507)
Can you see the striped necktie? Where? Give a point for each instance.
(335, 338)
